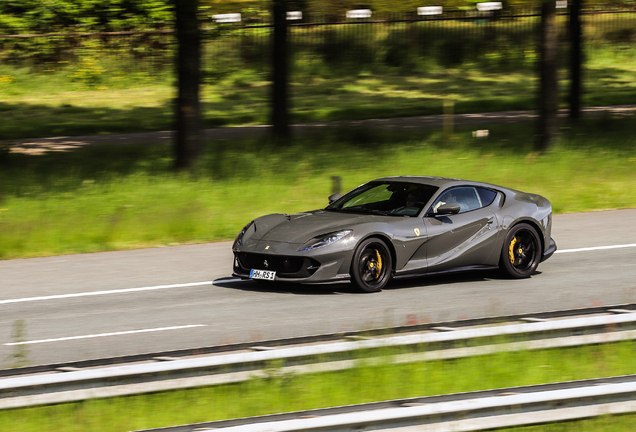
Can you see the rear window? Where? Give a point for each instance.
(486, 196)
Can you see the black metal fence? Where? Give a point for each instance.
(406, 41)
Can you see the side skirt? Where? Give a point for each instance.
(329, 282)
(453, 270)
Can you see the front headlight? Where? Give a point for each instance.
(325, 240)
(239, 237)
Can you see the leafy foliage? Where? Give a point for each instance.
(46, 16)
(38, 16)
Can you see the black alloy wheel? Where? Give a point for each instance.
(521, 252)
(371, 266)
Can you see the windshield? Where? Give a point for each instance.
(385, 198)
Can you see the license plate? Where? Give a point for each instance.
(262, 274)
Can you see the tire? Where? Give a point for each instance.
(371, 266)
(521, 252)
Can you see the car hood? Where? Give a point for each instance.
(301, 227)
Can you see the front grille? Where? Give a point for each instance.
(286, 266)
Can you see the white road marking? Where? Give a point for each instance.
(94, 293)
(194, 284)
(596, 248)
(105, 334)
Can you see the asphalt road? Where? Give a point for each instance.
(118, 303)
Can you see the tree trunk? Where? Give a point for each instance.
(280, 100)
(548, 125)
(576, 59)
(188, 113)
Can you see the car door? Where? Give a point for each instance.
(469, 238)
(409, 239)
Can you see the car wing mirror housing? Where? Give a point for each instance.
(447, 209)
(334, 197)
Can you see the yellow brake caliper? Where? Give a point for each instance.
(511, 251)
(379, 269)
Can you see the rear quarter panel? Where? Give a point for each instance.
(529, 208)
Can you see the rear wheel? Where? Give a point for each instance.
(371, 265)
(521, 252)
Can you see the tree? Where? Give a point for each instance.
(576, 59)
(280, 72)
(188, 113)
(548, 125)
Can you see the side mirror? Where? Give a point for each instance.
(334, 197)
(447, 209)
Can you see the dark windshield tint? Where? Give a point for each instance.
(386, 198)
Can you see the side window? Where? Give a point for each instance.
(486, 196)
(466, 197)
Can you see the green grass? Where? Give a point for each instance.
(285, 392)
(122, 197)
(97, 97)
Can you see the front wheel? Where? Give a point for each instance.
(371, 265)
(521, 252)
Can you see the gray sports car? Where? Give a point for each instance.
(397, 227)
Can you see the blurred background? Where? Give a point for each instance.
(77, 69)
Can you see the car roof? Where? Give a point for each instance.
(441, 182)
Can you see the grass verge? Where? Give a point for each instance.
(114, 101)
(284, 392)
(111, 198)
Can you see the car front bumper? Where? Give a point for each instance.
(326, 268)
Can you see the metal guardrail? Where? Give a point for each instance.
(435, 343)
(313, 339)
(472, 411)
